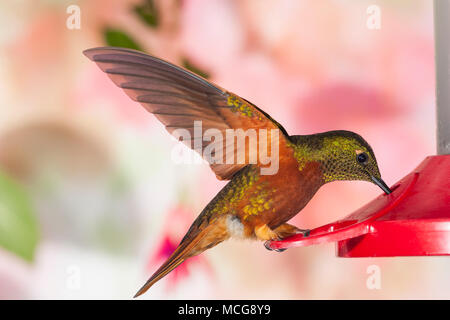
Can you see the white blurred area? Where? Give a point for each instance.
(110, 202)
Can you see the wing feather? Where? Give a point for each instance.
(178, 97)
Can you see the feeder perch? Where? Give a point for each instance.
(414, 220)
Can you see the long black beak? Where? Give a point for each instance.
(381, 184)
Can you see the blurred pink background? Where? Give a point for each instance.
(110, 203)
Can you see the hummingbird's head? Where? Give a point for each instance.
(343, 155)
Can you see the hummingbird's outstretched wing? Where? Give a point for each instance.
(178, 97)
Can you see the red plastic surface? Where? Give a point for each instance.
(414, 220)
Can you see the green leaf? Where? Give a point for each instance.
(117, 38)
(18, 226)
(194, 69)
(148, 13)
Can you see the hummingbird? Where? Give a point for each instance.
(252, 205)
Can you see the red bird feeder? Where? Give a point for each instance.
(414, 220)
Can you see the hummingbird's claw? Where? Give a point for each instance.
(305, 232)
(267, 246)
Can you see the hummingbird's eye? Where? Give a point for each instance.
(362, 157)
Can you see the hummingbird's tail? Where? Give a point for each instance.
(201, 236)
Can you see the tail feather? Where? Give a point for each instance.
(157, 276)
(187, 248)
